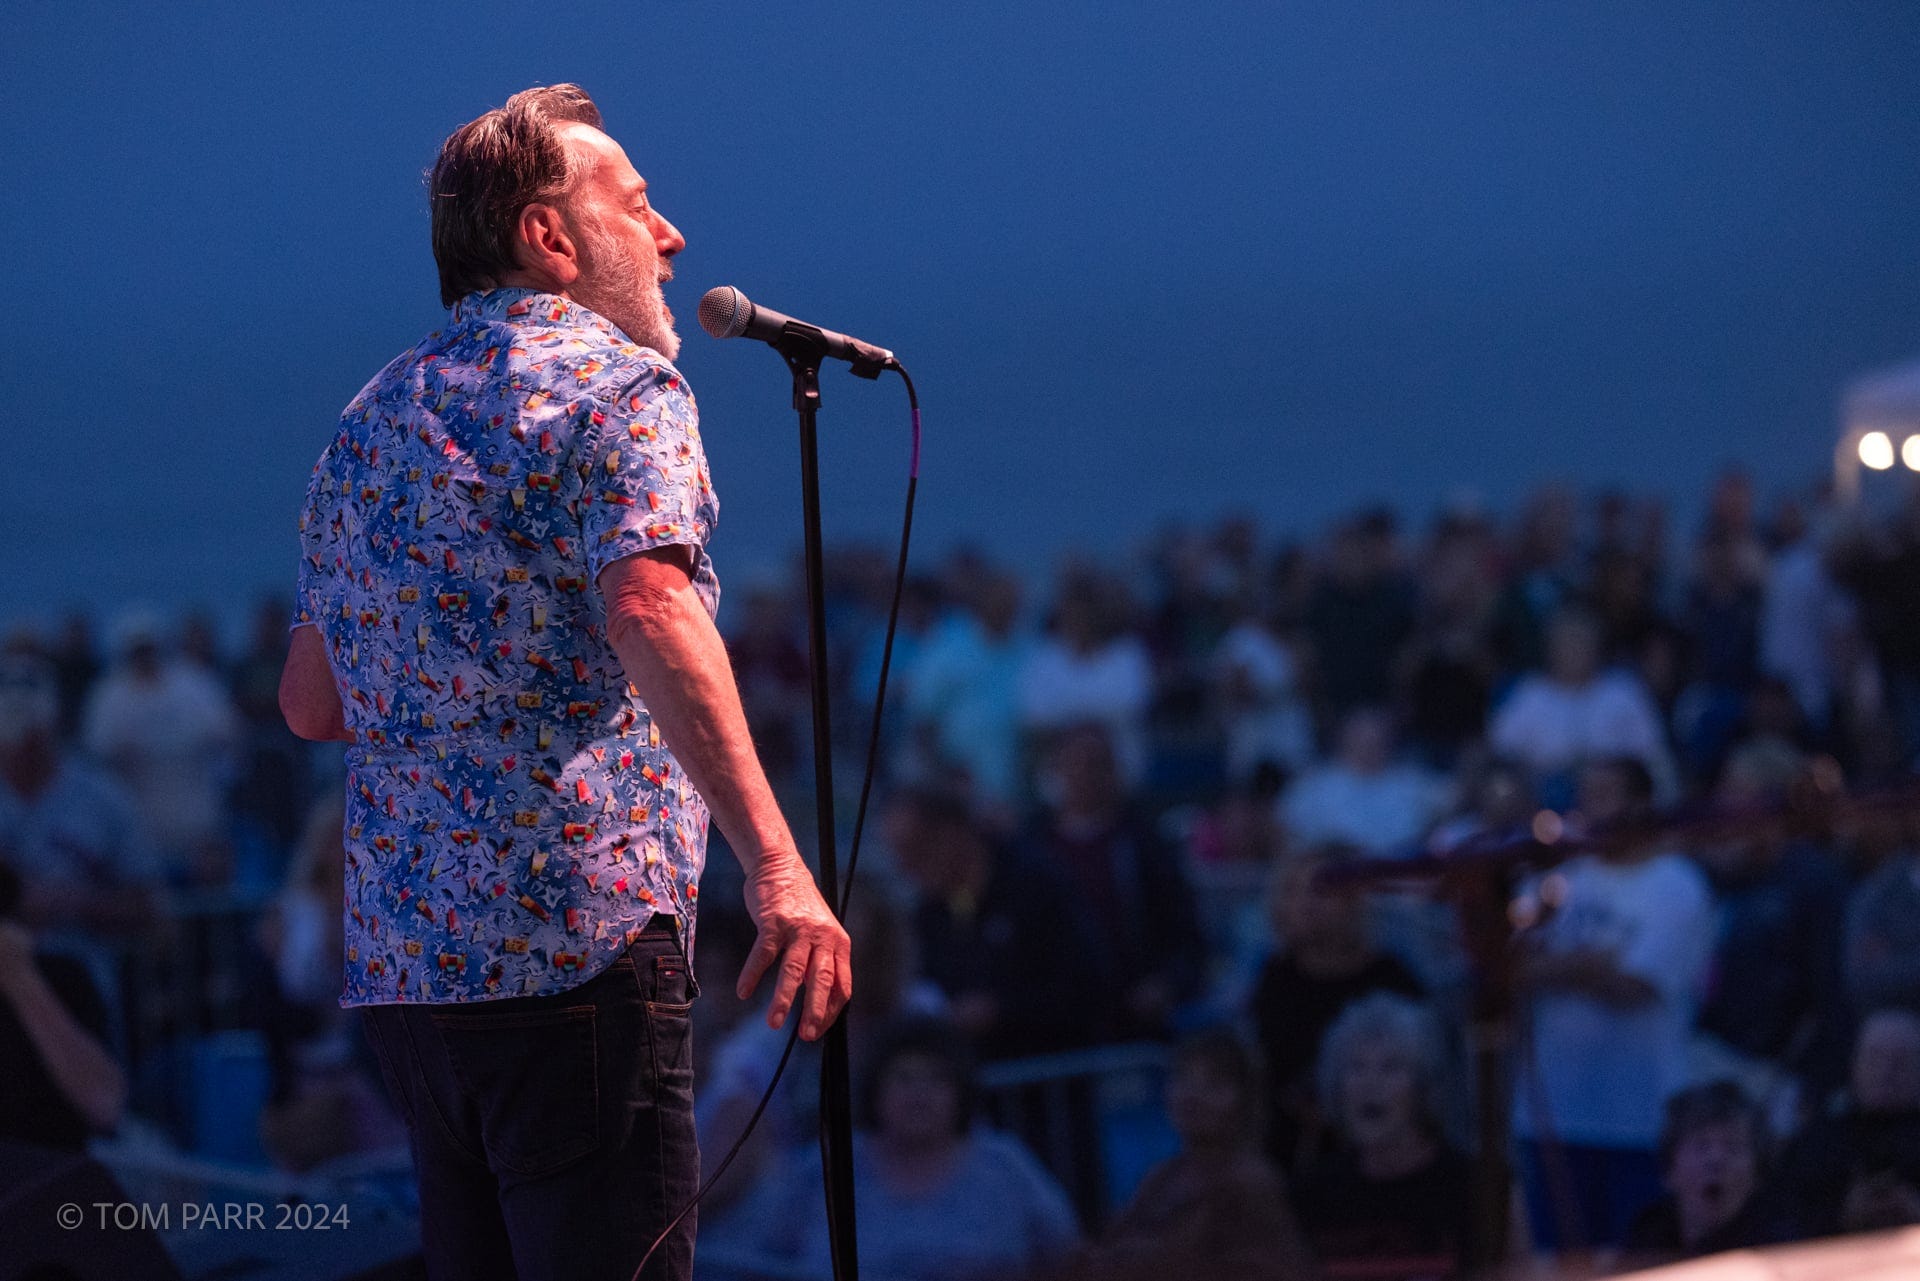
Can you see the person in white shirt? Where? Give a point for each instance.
(1363, 796)
(963, 689)
(941, 1198)
(1615, 976)
(1090, 668)
(1556, 720)
(168, 731)
(1256, 682)
(1803, 612)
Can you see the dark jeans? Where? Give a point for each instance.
(552, 1135)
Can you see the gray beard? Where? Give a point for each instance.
(620, 291)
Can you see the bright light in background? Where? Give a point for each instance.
(1910, 453)
(1876, 450)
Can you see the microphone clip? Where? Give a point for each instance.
(801, 341)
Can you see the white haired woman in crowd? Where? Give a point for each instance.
(1393, 1187)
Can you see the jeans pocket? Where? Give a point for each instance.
(669, 1013)
(532, 1078)
(669, 985)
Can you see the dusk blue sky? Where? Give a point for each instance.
(1145, 261)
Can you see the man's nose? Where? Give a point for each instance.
(666, 237)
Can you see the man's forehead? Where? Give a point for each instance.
(603, 159)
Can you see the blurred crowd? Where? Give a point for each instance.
(1129, 803)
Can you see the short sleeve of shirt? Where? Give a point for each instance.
(646, 482)
(309, 580)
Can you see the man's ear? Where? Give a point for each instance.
(545, 245)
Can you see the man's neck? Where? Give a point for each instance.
(539, 282)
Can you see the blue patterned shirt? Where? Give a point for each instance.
(513, 819)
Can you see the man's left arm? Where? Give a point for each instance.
(309, 698)
(672, 654)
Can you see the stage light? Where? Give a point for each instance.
(1876, 450)
(1910, 453)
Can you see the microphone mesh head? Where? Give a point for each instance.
(724, 312)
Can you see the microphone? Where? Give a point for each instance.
(726, 313)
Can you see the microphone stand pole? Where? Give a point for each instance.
(802, 354)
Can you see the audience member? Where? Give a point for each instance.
(746, 1052)
(1448, 669)
(1573, 712)
(1090, 667)
(1731, 519)
(1615, 975)
(76, 663)
(67, 830)
(770, 666)
(1326, 960)
(1770, 751)
(62, 1084)
(1721, 619)
(1880, 565)
(1713, 1160)
(1857, 1165)
(1127, 881)
(1543, 580)
(1498, 803)
(271, 782)
(1003, 938)
(1882, 943)
(1802, 614)
(1621, 596)
(1360, 613)
(963, 689)
(940, 1198)
(1392, 1191)
(1774, 999)
(1259, 701)
(1240, 830)
(167, 730)
(1217, 1208)
(324, 1097)
(1364, 796)
(1195, 600)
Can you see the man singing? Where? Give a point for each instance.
(506, 609)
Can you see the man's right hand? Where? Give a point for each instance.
(677, 662)
(797, 931)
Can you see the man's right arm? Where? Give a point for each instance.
(674, 657)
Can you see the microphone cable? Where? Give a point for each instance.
(853, 853)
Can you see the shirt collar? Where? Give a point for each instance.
(511, 302)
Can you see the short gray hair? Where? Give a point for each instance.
(490, 169)
(1410, 1027)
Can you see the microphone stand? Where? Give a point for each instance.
(802, 349)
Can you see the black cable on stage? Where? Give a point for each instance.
(886, 650)
(853, 853)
